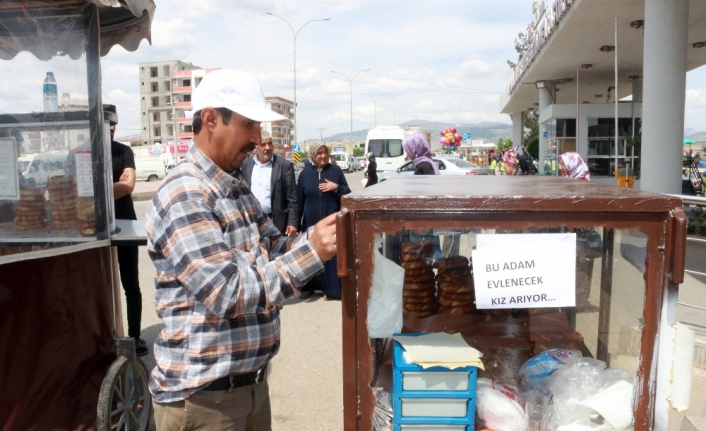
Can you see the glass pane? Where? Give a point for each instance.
(600, 330)
(46, 196)
(394, 148)
(377, 147)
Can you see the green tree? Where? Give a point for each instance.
(532, 148)
(521, 44)
(358, 152)
(531, 122)
(504, 144)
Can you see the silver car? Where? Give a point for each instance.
(447, 166)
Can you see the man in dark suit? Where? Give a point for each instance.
(271, 179)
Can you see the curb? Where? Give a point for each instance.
(142, 196)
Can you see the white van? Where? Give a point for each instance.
(386, 143)
(38, 168)
(343, 160)
(149, 169)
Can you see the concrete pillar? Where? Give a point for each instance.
(637, 90)
(664, 76)
(545, 101)
(518, 128)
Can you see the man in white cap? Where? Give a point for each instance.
(221, 268)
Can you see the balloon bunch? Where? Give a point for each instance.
(450, 139)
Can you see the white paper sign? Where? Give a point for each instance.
(84, 173)
(525, 270)
(9, 176)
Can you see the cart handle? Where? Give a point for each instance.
(342, 219)
(679, 231)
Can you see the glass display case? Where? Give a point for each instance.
(518, 266)
(56, 187)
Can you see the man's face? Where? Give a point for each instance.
(265, 150)
(236, 140)
(112, 132)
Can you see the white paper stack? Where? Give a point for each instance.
(440, 350)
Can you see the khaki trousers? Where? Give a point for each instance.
(245, 409)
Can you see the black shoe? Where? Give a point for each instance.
(140, 347)
(305, 295)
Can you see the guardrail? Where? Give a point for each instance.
(691, 200)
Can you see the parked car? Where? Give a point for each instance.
(356, 163)
(343, 160)
(447, 166)
(149, 169)
(38, 168)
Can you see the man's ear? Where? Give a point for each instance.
(209, 118)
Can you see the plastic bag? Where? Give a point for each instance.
(499, 406)
(385, 303)
(577, 382)
(535, 374)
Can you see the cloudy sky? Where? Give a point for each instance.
(438, 61)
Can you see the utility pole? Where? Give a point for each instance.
(394, 112)
(350, 82)
(295, 34)
(375, 104)
(322, 133)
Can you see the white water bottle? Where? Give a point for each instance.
(51, 97)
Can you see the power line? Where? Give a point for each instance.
(265, 64)
(405, 79)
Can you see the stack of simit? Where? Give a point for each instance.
(31, 210)
(419, 293)
(63, 197)
(455, 281)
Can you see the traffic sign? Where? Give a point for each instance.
(296, 148)
(467, 136)
(297, 157)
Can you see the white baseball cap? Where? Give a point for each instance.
(236, 90)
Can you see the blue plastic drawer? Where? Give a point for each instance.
(432, 427)
(431, 397)
(411, 380)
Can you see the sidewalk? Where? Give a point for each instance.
(144, 191)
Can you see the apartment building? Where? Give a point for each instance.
(165, 93)
(160, 102)
(282, 135)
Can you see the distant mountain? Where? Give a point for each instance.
(690, 131)
(698, 137)
(486, 130)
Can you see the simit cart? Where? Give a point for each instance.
(64, 362)
(616, 295)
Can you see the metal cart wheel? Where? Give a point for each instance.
(124, 402)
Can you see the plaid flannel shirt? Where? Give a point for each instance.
(220, 268)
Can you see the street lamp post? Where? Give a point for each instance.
(295, 34)
(350, 82)
(394, 112)
(375, 104)
(321, 130)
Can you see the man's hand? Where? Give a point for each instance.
(323, 239)
(290, 231)
(125, 176)
(328, 186)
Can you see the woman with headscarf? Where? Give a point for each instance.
(572, 165)
(517, 161)
(372, 170)
(416, 146)
(319, 192)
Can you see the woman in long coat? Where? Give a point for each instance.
(319, 192)
(372, 170)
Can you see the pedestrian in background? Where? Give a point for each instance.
(572, 165)
(271, 180)
(221, 268)
(372, 170)
(123, 164)
(416, 147)
(319, 192)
